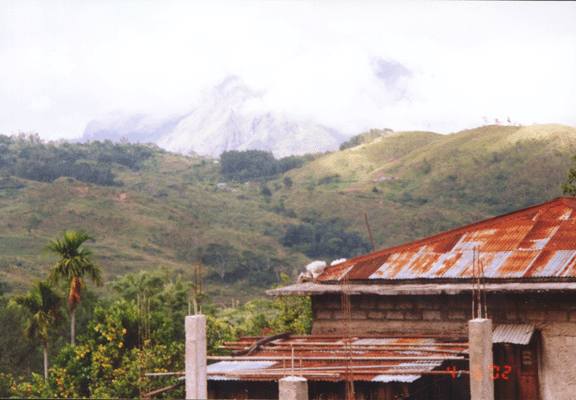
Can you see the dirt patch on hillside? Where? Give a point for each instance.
(84, 191)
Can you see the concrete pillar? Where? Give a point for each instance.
(293, 388)
(481, 359)
(196, 382)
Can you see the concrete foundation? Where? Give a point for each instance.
(481, 359)
(196, 377)
(293, 388)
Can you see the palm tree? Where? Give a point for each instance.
(73, 265)
(45, 307)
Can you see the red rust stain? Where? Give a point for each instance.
(449, 262)
(539, 263)
(397, 264)
(552, 213)
(364, 269)
(506, 238)
(422, 264)
(486, 259)
(565, 237)
(516, 263)
(529, 217)
(446, 245)
(335, 272)
(541, 230)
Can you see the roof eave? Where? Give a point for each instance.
(312, 288)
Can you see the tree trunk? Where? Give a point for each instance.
(73, 327)
(45, 361)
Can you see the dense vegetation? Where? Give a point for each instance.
(325, 240)
(569, 188)
(28, 157)
(137, 328)
(257, 164)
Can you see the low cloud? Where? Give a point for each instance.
(440, 66)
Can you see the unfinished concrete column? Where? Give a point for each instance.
(293, 388)
(196, 381)
(481, 359)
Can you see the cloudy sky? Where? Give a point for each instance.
(352, 65)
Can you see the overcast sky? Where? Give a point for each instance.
(439, 66)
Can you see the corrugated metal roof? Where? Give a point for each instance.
(510, 333)
(408, 366)
(217, 372)
(536, 242)
(379, 359)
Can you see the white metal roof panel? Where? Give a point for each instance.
(229, 366)
(511, 333)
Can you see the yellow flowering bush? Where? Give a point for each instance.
(110, 360)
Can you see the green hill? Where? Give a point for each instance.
(146, 207)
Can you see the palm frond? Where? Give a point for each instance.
(45, 307)
(74, 264)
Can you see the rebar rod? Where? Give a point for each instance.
(274, 358)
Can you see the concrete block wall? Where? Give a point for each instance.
(438, 314)
(554, 316)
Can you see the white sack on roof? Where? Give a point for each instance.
(313, 270)
(338, 261)
(316, 268)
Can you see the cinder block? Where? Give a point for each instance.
(536, 315)
(428, 304)
(413, 315)
(458, 315)
(384, 303)
(368, 302)
(324, 314)
(557, 315)
(331, 303)
(511, 315)
(431, 315)
(404, 305)
(372, 314)
(394, 315)
(359, 314)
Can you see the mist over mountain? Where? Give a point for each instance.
(135, 128)
(231, 116)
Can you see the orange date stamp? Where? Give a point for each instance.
(495, 371)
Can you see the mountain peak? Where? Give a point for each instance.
(230, 116)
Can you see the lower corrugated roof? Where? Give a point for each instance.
(334, 358)
(218, 371)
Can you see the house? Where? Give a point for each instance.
(394, 323)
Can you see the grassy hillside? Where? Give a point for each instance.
(413, 184)
(161, 208)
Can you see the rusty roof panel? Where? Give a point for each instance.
(364, 269)
(565, 237)
(536, 242)
(560, 264)
(539, 236)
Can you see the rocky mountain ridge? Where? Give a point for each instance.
(230, 116)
